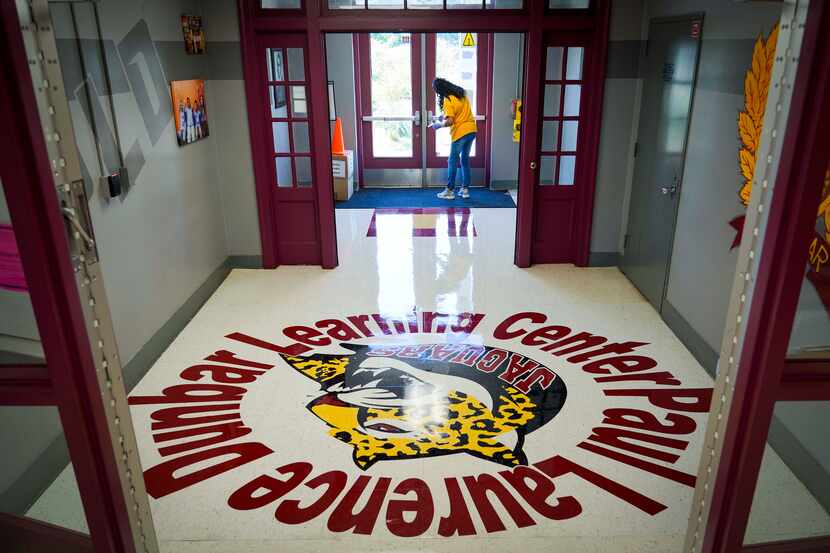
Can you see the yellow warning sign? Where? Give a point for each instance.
(468, 40)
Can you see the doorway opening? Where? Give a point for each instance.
(381, 98)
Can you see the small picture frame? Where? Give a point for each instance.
(194, 34)
(332, 103)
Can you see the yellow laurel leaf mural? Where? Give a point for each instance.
(751, 120)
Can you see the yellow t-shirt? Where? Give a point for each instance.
(463, 121)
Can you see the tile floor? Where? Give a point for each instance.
(428, 421)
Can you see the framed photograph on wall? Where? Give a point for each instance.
(189, 110)
(332, 103)
(194, 34)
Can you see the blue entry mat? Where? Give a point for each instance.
(370, 198)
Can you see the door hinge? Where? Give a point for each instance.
(625, 241)
(636, 148)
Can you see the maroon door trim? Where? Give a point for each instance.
(783, 258)
(29, 190)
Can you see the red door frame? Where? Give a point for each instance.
(68, 378)
(533, 20)
(764, 375)
(363, 101)
(484, 86)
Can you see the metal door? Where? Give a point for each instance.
(670, 65)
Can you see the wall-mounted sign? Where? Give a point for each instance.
(469, 41)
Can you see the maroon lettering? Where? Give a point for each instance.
(289, 510)
(306, 335)
(491, 360)
(343, 517)
(173, 417)
(400, 324)
(359, 321)
(188, 393)
(623, 364)
(221, 373)
(536, 489)
(338, 329)
(469, 355)
(644, 420)
(467, 322)
(503, 331)
(458, 521)
(224, 432)
(516, 367)
(160, 480)
(615, 437)
(557, 466)
(422, 507)
(265, 489)
(542, 375)
(670, 399)
(428, 317)
(230, 358)
(384, 351)
(479, 487)
(543, 335)
(661, 378)
(414, 351)
(648, 466)
(617, 349)
(442, 353)
(581, 340)
(292, 349)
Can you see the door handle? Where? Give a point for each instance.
(532, 165)
(668, 190)
(417, 118)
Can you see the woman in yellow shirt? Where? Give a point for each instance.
(456, 114)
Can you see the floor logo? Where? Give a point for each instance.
(404, 401)
(423, 387)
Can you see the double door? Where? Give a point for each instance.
(396, 104)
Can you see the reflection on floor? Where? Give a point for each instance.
(429, 396)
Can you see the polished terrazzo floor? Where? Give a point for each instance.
(410, 433)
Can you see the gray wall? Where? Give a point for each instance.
(508, 55)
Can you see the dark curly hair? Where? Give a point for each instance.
(444, 88)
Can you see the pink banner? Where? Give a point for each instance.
(11, 270)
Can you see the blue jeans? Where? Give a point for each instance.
(460, 149)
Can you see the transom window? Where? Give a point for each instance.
(423, 4)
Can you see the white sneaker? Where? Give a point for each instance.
(465, 193)
(446, 194)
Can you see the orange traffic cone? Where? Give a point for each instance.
(337, 147)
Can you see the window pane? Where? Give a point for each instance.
(425, 4)
(280, 132)
(281, 4)
(504, 4)
(299, 108)
(391, 67)
(459, 64)
(346, 4)
(300, 135)
(553, 64)
(569, 129)
(296, 64)
(303, 168)
(568, 4)
(385, 4)
(574, 64)
(572, 99)
(392, 138)
(811, 329)
(546, 170)
(552, 94)
(19, 336)
(464, 4)
(275, 64)
(566, 170)
(278, 103)
(550, 130)
(284, 173)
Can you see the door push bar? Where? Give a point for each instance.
(415, 118)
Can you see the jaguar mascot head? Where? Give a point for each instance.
(410, 401)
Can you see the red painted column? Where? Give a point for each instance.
(529, 147)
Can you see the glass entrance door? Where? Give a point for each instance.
(397, 104)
